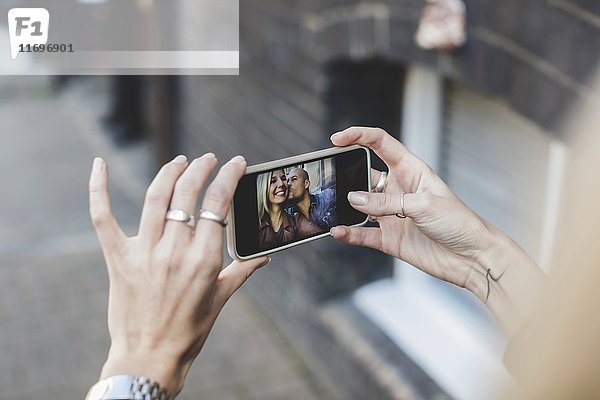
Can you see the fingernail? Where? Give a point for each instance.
(357, 198)
(238, 159)
(209, 155)
(180, 159)
(334, 135)
(97, 165)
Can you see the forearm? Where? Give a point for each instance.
(507, 281)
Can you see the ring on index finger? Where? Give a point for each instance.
(212, 216)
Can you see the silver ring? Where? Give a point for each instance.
(181, 216)
(401, 213)
(207, 214)
(380, 183)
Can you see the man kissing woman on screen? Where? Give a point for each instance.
(288, 212)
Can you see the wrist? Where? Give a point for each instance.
(494, 246)
(506, 279)
(167, 370)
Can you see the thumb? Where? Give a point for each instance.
(232, 277)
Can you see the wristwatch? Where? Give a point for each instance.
(127, 387)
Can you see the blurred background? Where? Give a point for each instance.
(322, 321)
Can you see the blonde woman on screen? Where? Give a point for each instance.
(276, 227)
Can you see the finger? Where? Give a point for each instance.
(383, 204)
(385, 146)
(110, 234)
(375, 175)
(186, 192)
(376, 204)
(234, 275)
(218, 200)
(361, 236)
(157, 200)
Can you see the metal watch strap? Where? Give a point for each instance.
(145, 389)
(127, 387)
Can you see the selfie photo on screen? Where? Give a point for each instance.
(296, 202)
(283, 203)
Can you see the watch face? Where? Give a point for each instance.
(99, 390)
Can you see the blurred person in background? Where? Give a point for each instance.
(171, 279)
(125, 119)
(557, 354)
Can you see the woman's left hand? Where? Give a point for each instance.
(167, 285)
(432, 229)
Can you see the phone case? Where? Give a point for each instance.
(231, 246)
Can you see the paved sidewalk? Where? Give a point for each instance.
(53, 284)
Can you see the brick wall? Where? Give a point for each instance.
(538, 55)
(305, 70)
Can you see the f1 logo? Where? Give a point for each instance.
(28, 26)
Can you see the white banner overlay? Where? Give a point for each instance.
(73, 37)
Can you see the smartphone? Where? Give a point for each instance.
(288, 202)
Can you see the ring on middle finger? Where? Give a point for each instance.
(181, 216)
(212, 216)
(380, 186)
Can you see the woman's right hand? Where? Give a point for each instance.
(441, 235)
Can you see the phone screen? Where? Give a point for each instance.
(294, 202)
